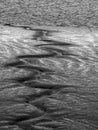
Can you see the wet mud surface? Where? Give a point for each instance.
(48, 78)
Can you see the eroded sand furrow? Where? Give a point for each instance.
(44, 85)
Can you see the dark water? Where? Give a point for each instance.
(46, 89)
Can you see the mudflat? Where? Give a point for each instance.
(48, 78)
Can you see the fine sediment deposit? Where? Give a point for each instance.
(48, 78)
